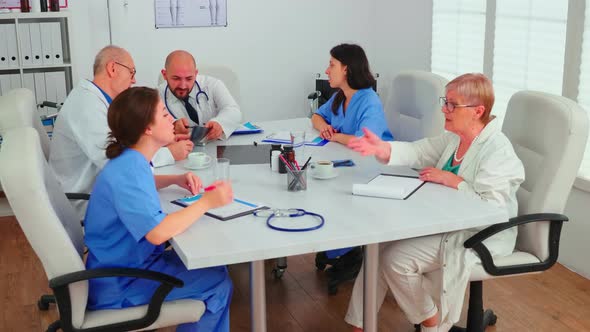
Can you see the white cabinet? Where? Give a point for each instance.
(35, 54)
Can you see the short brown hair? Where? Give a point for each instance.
(476, 89)
(129, 115)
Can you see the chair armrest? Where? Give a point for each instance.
(78, 196)
(476, 243)
(62, 294)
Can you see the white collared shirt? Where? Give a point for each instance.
(222, 108)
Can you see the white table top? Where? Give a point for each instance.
(350, 220)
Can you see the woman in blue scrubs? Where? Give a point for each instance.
(125, 225)
(355, 105)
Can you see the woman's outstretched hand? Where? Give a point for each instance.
(371, 145)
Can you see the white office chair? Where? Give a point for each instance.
(413, 111)
(53, 230)
(549, 135)
(19, 109)
(223, 73)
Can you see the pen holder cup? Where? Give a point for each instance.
(296, 180)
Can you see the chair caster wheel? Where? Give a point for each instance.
(493, 320)
(44, 306)
(321, 261)
(277, 273)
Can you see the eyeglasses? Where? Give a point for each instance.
(132, 71)
(450, 106)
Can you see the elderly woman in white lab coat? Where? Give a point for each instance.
(475, 158)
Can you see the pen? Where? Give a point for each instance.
(305, 165)
(288, 164)
(211, 187)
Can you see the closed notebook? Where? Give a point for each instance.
(389, 186)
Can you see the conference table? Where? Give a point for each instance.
(349, 220)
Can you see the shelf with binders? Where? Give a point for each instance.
(35, 42)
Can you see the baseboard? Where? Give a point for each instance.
(5, 210)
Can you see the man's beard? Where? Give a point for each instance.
(179, 96)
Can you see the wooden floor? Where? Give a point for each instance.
(557, 300)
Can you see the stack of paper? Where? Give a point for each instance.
(388, 186)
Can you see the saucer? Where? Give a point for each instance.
(189, 166)
(324, 177)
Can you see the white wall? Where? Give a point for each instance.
(575, 243)
(89, 33)
(276, 46)
(403, 31)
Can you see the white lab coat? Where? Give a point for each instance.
(492, 171)
(77, 151)
(222, 109)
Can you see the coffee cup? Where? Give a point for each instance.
(323, 168)
(198, 159)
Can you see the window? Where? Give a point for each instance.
(584, 87)
(529, 48)
(458, 33)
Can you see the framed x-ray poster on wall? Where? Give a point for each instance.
(190, 13)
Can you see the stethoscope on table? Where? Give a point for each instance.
(196, 97)
(271, 214)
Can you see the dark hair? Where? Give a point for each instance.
(358, 73)
(129, 115)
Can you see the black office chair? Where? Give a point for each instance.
(323, 92)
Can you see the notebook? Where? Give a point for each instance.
(247, 128)
(237, 208)
(284, 137)
(389, 186)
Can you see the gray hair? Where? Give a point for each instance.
(108, 53)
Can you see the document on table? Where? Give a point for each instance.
(389, 186)
(247, 128)
(284, 137)
(237, 208)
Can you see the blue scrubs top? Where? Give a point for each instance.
(364, 111)
(124, 206)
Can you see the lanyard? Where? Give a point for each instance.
(196, 98)
(271, 214)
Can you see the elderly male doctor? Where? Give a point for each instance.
(77, 151)
(197, 100)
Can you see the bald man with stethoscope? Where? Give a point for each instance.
(195, 100)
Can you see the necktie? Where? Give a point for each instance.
(192, 112)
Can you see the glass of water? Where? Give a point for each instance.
(298, 142)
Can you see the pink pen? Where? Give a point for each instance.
(211, 187)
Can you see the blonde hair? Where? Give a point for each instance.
(476, 89)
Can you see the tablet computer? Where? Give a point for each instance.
(198, 134)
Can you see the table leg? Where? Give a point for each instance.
(257, 296)
(370, 309)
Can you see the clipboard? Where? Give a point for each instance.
(237, 208)
(378, 187)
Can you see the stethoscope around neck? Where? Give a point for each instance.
(196, 97)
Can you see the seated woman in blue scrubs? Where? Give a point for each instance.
(355, 105)
(125, 225)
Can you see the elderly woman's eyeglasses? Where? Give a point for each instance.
(450, 106)
(132, 71)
